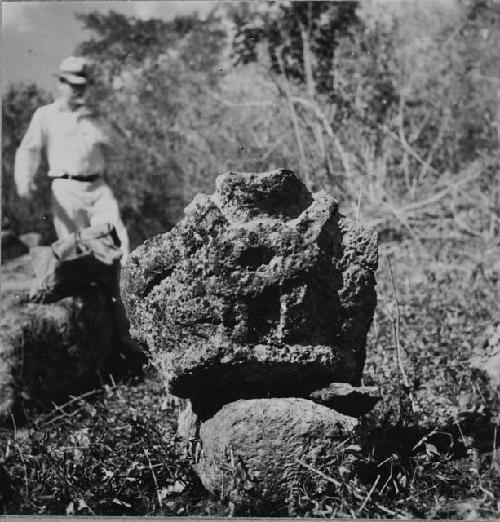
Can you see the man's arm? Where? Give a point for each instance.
(28, 156)
(117, 138)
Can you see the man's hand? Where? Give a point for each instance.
(24, 191)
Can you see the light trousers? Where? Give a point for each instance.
(81, 204)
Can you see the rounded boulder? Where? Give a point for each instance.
(51, 351)
(254, 453)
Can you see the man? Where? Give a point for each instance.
(78, 144)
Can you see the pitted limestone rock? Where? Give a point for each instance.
(262, 289)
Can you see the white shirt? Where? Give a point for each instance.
(76, 142)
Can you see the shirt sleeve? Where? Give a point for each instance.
(115, 139)
(28, 155)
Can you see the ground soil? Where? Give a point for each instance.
(113, 451)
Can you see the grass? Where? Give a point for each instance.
(111, 453)
(428, 450)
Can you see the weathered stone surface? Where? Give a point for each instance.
(48, 351)
(347, 399)
(344, 398)
(262, 289)
(253, 451)
(490, 368)
(432, 409)
(486, 360)
(187, 421)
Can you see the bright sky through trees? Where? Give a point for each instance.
(36, 36)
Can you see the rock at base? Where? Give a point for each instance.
(187, 421)
(347, 399)
(486, 362)
(49, 351)
(255, 452)
(489, 368)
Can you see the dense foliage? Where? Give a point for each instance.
(18, 106)
(300, 37)
(382, 108)
(149, 73)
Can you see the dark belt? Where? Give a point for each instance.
(92, 177)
